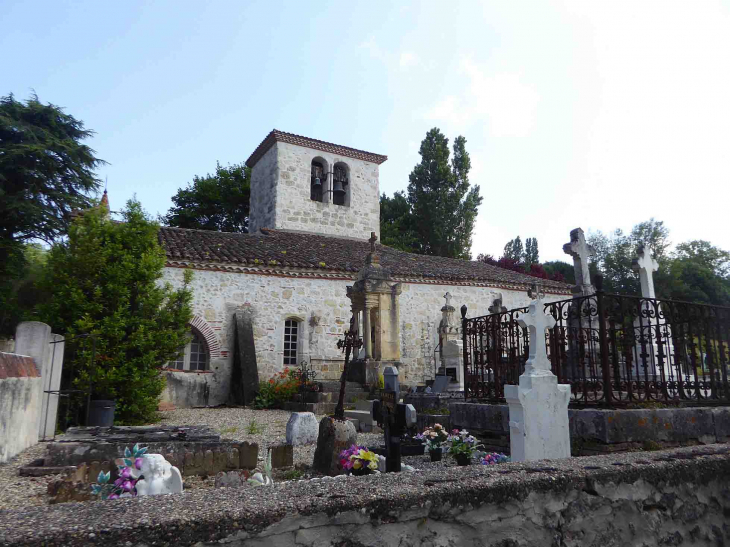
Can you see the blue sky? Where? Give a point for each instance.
(591, 114)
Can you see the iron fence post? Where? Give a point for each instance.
(602, 342)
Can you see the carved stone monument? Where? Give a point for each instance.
(451, 347)
(538, 406)
(374, 298)
(160, 477)
(580, 251)
(245, 377)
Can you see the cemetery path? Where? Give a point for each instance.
(17, 491)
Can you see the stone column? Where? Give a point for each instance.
(367, 342)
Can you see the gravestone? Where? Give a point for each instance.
(538, 406)
(245, 377)
(394, 417)
(646, 265)
(334, 436)
(440, 383)
(302, 428)
(581, 252)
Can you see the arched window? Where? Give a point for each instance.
(195, 356)
(292, 333)
(340, 184)
(319, 180)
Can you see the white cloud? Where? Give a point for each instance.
(408, 59)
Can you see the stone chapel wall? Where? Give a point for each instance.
(323, 309)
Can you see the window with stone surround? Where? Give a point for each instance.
(291, 342)
(319, 180)
(195, 356)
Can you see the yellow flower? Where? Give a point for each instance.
(373, 466)
(357, 464)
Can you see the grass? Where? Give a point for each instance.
(225, 430)
(293, 474)
(254, 428)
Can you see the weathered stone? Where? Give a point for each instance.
(208, 462)
(282, 455)
(245, 378)
(302, 428)
(62, 491)
(334, 437)
(230, 479)
(249, 455)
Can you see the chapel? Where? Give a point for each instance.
(309, 264)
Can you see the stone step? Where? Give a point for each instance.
(350, 387)
(364, 404)
(361, 415)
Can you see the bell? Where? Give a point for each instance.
(337, 190)
(317, 183)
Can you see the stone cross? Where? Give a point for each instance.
(580, 251)
(372, 240)
(448, 298)
(646, 265)
(536, 321)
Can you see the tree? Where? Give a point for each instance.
(698, 272)
(19, 291)
(45, 174)
(532, 254)
(560, 271)
(443, 206)
(217, 202)
(614, 254)
(396, 222)
(106, 281)
(514, 250)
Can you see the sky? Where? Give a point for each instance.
(586, 114)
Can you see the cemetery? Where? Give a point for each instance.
(600, 418)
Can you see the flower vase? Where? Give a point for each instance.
(436, 454)
(462, 459)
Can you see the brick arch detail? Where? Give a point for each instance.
(205, 330)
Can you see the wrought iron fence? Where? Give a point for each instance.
(612, 349)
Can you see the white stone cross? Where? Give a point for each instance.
(536, 321)
(646, 265)
(580, 251)
(448, 298)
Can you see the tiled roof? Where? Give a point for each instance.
(298, 251)
(290, 138)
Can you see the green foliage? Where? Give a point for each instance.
(293, 474)
(254, 428)
(396, 228)
(438, 216)
(614, 255)
(19, 291)
(559, 267)
(514, 250)
(532, 254)
(105, 281)
(696, 271)
(278, 390)
(214, 202)
(45, 174)
(226, 430)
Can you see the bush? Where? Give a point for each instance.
(278, 390)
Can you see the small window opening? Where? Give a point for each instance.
(339, 185)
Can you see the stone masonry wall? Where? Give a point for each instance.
(673, 497)
(323, 309)
(280, 194)
(263, 191)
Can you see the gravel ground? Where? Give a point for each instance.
(264, 427)
(17, 491)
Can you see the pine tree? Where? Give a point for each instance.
(105, 281)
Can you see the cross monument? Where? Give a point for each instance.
(580, 251)
(646, 265)
(536, 321)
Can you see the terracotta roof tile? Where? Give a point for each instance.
(290, 138)
(285, 249)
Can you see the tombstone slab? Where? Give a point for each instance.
(245, 378)
(302, 428)
(282, 455)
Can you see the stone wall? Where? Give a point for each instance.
(280, 194)
(675, 497)
(597, 430)
(20, 404)
(323, 309)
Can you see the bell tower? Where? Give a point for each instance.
(307, 185)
